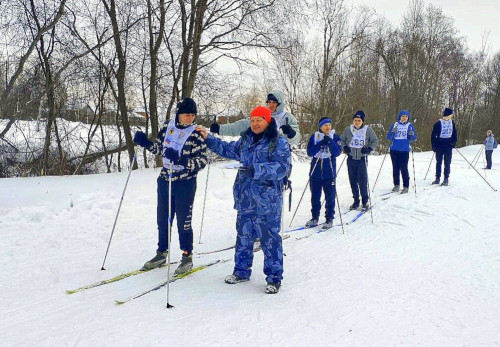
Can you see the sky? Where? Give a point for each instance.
(472, 17)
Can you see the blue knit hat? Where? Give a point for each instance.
(271, 97)
(323, 121)
(359, 114)
(447, 112)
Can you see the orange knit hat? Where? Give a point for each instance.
(261, 111)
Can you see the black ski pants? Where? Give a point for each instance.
(400, 166)
(358, 178)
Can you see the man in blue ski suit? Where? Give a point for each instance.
(401, 134)
(443, 140)
(324, 147)
(258, 195)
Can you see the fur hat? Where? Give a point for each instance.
(359, 114)
(261, 111)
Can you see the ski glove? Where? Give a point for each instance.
(142, 139)
(395, 130)
(411, 133)
(366, 150)
(288, 130)
(347, 149)
(215, 128)
(247, 171)
(453, 144)
(171, 154)
(325, 141)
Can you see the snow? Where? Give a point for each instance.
(424, 273)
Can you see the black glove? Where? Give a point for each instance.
(325, 141)
(288, 130)
(434, 149)
(214, 128)
(453, 144)
(141, 139)
(366, 150)
(171, 154)
(347, 149)
(247, 170)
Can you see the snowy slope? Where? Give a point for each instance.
(425, 273)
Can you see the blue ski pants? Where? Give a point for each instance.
(182, 199)
(267, 228)
(328, 187)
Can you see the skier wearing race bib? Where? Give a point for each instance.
(324, 147)
(358, 140)
(443, 140)
(181, 145)
(490, 143)
(284, 120)
(401, 134)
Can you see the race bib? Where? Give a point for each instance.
(358, 137)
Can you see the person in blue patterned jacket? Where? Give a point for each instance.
(264, 155)
(324, 146)
(181, 145)
(401, 134)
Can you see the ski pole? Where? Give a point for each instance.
(433, 154)
(376, 180)
(484, 179)
(414, 179)
(300, 200)
(476, 157)
(335, 192)
(169, 231)
(368, 186)
(119, 207)
(204, 201)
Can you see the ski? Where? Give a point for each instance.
(303, 228)
(165, 282)
(113, 279)
(360, 213)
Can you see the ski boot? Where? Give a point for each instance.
(158, 260)
(404, 190)
(436, 181)
(312, 223)
(396, 188)
(186, 263)
(445, 182)
(328, 224)
(365, 206)
(355, 205)
(233, 279)
(273, 288)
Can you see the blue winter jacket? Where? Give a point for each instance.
(402, 145)
(443, 143)
(323, 169)
(489, 143)
(262, 193)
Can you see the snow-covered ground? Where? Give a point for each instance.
(426, 272)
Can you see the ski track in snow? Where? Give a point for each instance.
(425, 273)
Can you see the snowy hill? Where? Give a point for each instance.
(424, 273)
